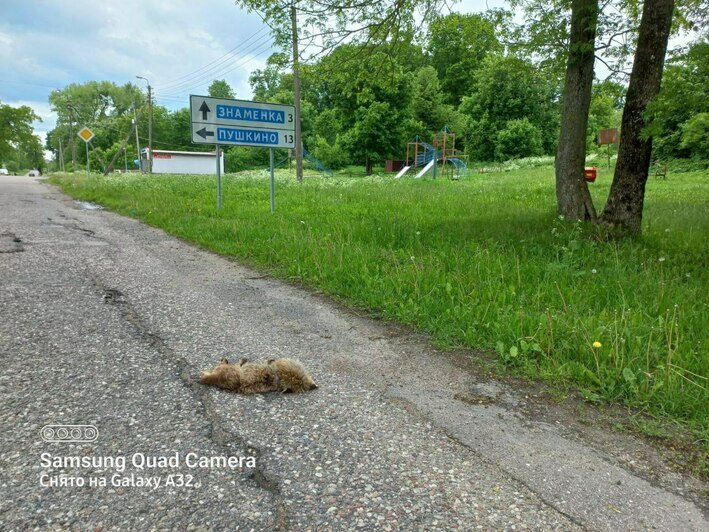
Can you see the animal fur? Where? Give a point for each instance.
(275, 375)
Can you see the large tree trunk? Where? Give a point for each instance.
(624, 208)
(572, 195)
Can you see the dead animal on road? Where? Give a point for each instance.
(275, 375)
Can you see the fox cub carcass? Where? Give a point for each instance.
(275, 375)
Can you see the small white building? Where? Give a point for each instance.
(181, 162)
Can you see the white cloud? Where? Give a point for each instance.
(52, 44)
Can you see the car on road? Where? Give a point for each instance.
(3, 171)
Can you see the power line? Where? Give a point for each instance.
(254, 50)
(208, 71)
(246, 60)
(174, 80)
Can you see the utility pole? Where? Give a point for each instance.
(70, 107)
(296, 95)
(150, 125)
(61, 156)
(137, 141)
(124, 144)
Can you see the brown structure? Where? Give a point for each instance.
(393, 165)
(607, 136)
(444, 142)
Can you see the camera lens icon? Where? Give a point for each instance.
(69, 433)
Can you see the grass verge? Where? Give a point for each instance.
(483, 263)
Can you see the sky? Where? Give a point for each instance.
(179, 45)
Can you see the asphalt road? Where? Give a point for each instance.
(107, 322)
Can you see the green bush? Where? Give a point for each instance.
(239, 158)
(695, 135)
(519, 138)
(333, 156)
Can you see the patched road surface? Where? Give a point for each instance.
(107, 322)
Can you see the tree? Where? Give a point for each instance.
(624, 207)
(325, 24)
(457, 44)
(32, 149)
(683, 96)
(103, 106)
(508, 88)
(16, 130)
(695, 135)
(519, 138)
(270, 81)
(428, 107)
(572, 195)
(220, 89)
(365, 111)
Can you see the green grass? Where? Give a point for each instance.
(484, 263)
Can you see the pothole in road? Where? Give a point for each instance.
(113, 297)
(10, 243)
(475, 398)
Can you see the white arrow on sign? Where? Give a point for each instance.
(242, 136)
(227, 112)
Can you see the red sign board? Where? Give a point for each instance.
(607, 136)
(161, 155)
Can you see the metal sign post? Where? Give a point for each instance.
(219, 178)
(86, 135)
(273, 182)
(225, 121)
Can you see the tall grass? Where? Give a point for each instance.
(484, 262)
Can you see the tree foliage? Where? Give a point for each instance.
(508, 88)
(17, 139)
(219, 88)
(519, 138)
(323, 25)
(695, 136)
(457, 45)
(683, 96)
(369, 115)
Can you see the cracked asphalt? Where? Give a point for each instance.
(107, 322)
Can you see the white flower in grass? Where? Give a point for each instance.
(661, 259)
(418, 233)
(412, 257)
(594, 270)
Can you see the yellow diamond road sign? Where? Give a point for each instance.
(86, 134)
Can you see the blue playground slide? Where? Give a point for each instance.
(423, 158)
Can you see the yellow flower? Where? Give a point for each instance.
(597, 344)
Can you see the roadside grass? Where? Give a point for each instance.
(483, 263)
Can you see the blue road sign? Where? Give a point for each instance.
(207, 111)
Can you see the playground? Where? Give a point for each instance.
(439, 157)
(436, 158)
